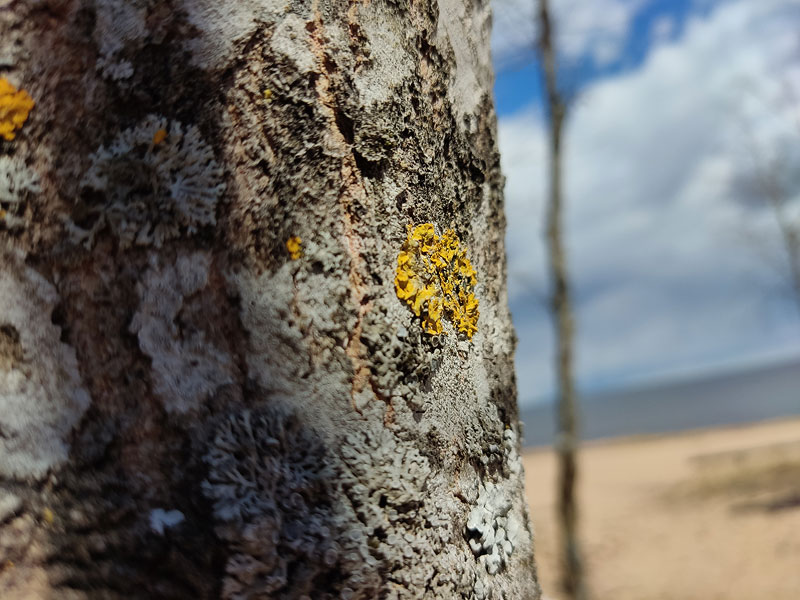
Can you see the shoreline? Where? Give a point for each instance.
(702, 513)
(643, 437)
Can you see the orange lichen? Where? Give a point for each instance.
(435, 277)
(295, 247)
(159, 136)
(15, 105)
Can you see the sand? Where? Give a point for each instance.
(711, 515)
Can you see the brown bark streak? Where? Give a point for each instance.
(352, 191)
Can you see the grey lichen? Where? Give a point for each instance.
(386, 483)
(402, 358)
(155, 182)
(486, 528)
(41, 394)
(186, 367)
(493, 528)
(360, 517)
(119, 26)
(513, 462)
(296, 312)
(402, 532)
(272, 486)
(18, 183)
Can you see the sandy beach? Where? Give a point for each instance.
(711, 514)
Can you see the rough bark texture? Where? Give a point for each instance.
(573, 580)
(190, 408)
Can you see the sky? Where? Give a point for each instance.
(677, 107)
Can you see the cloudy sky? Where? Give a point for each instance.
(675, 258)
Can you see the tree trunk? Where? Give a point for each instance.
(217, 377)
(572, 579)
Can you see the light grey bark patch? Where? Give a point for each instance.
(389, 60)
(18, 184)
(223, 26)
(467, 33)
(460, 397)
(9, 505)
(294, 312)
(292, 41)
(187, 368)
(460, 420)
(41, 394)
(11, 47)
(414, 511)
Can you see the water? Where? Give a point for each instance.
(740, 397)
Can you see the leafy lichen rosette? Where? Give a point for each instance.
(435, 278)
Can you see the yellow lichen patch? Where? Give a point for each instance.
(14, 108)
(295, 247)
(159, 136)
(48, 516)
(268, 95)
(435, 278)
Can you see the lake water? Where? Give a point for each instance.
(740, 397)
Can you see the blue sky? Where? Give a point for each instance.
(517, 80)
(676, 102)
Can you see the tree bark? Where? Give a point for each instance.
(209, 386)
(572, 580)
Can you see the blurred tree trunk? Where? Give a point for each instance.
(771, 181)
(769, 186)
(561, 308)
(209, 387)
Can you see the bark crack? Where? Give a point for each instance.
(352, 193)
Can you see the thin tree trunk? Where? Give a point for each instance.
(567, 441)
(767, 180)
(215, 379)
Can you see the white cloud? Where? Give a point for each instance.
(663, 282)
(593, 30)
